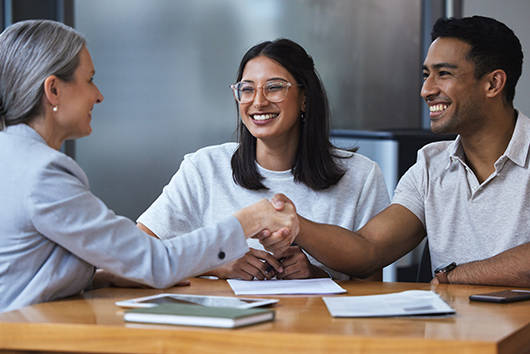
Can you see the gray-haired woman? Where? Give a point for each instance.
(53, 231)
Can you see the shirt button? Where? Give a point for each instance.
(221, 255)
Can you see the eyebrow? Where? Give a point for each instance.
(441, 66)
(271, 79)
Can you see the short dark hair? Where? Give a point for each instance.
(493, 46)
(315, 162)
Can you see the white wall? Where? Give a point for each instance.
(513, 13)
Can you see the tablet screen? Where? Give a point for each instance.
(210, 301)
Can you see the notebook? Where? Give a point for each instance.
(196, 315)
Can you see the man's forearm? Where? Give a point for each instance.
(337, 248)
(509, 268)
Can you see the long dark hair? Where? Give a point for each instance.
(315, 162)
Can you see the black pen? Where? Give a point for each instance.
(270, 268)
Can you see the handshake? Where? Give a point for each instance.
(274, 223)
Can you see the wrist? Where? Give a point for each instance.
(303, 224)
(442, 274)
(248, 223)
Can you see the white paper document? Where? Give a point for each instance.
(291, 287)
(407, 303)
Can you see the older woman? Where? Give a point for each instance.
(283, 147)
(53, 231)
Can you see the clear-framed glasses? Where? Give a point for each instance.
(274, 91)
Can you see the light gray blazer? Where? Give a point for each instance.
(54, 231)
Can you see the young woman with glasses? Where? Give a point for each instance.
(283, 147)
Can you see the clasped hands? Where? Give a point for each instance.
(274, 223)
(276, 229)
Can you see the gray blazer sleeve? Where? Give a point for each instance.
(64, 210)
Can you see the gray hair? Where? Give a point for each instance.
(31, 51)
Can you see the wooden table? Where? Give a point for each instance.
(91, 323)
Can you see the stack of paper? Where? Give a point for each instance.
(407, 303)
(288, 287)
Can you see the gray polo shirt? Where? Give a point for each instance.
(465, 220)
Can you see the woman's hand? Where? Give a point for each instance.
(254, 264)
(278, 241)
(263, 221)
(296, 265)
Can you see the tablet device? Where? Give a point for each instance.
(204, 300)
(502, 296)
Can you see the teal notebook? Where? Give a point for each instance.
(196, 315)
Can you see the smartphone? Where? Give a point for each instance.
(502, 296)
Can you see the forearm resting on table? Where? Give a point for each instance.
(509, 268)
(105, 279)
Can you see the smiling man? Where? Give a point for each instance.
(470, 196)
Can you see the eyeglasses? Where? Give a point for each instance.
(274, 91)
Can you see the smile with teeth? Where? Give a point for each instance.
(264, 116)
(438, 108)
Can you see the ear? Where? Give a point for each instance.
(496, 80)
(303, 102)
(52, 90)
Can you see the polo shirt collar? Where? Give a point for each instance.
(518, 147)
(456, 152)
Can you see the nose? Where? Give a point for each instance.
(259, 98)
(99, 96)
(429, 88)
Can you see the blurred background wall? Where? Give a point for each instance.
(164, 68)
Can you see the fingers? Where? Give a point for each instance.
(296, 265)
(278, 242)
(293, 224)
(286, 218)
(258, 269)
(254, 264)
(265, 263)
(273, 265)
(262, 234)
(279, 200)
(261, 218)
